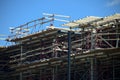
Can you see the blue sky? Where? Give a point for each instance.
(16, 12)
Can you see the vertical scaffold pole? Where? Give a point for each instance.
(20, 75)
(56, 72)
(21, 59)
(92, 60)
(69, 52)
(21, 53)
(113, 70)
(92, 69)
(92, 40)
(117, 35)
(40, 75)
(53, 72)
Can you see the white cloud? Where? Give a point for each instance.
(113, 2)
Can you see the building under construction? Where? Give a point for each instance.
(87, 49)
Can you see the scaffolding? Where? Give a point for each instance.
(88, 50)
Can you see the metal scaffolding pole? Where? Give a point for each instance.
(113, 68)
(69, 51)
(82, 37)
(92, 69)
(20, 75)
(56, 72)
(74, 69)
(21, 59)
(92, 60)
(92, 40)
(117, 35)
(95, 69)
(53, 72)
(40, 75)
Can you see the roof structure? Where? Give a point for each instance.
(84, 21)
(107, 19)
(92, 20)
